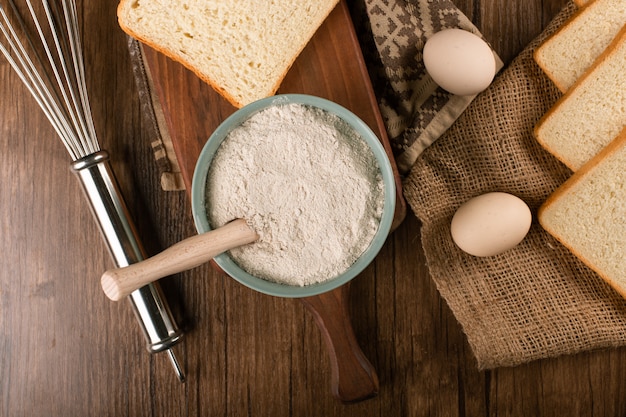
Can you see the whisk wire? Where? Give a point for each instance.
(64, 101)
(71, 17)
(25, 69)
(67, 85)
(81, 106)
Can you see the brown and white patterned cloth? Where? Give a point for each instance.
(392, 34)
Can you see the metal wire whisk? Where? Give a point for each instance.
(50, 65)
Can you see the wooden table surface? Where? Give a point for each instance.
(66, 350)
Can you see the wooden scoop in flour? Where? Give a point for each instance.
(184, 255)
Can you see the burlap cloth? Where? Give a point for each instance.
(534, 301)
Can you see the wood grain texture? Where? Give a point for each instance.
(66, 350)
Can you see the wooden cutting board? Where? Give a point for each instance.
(331, 66)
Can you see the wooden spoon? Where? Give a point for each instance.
(184, 255)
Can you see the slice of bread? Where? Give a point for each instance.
(587, 214)
(581, 3)
(591, 114)
(567, 54)
(242, 48)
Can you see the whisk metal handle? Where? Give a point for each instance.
(151, 309)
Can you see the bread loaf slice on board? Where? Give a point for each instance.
(587, 214)
(592, 113)
(242, 48)
(567, 54)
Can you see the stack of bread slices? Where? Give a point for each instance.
(586, 130)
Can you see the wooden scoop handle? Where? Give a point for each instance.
(184, 255)
(353, 376)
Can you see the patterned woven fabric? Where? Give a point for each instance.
(392, 34)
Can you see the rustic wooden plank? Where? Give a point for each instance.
(66, 350)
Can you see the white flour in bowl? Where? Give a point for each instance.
(307, 183)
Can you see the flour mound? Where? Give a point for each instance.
(308, 184)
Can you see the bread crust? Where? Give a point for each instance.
(578, 14)
(608, 52)
(123, 4)
(174, 57)
(616, 145)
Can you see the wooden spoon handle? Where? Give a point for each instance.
(184, 255)
(353, 376)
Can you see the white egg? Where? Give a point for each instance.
(459, 61)
(490, 224)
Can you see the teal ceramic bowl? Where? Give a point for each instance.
(198, 196)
